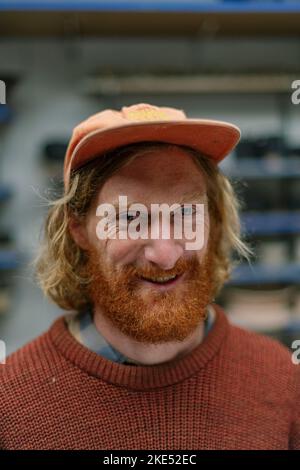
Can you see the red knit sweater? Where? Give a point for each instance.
(236, 390)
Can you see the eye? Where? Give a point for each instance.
(127, 216)
(131, 217)
(187, 210)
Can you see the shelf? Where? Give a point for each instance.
(270, 223)
(262, 274)
(224, 6)
(5, 192)
(251, 168)
(9, 259)
(189, 84)
(5, 113)
(292, 326)
(142, 18)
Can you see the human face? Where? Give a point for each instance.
(121, 269)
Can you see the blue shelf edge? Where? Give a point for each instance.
(9, 259)
(5, 113)
(245, 274)
(6, 192)
(252, 168)
(242, 6)
(270, 223)
(293, 325)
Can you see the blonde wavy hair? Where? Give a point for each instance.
(60, 263)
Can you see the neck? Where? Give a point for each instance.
(146, 354)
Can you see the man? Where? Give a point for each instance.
(145, 359)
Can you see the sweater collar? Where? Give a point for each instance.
(85, 332)
(139, 377)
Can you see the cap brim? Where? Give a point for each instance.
(215, 139)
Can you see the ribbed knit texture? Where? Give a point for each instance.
(236, 390)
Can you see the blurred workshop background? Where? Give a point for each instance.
(231, 60)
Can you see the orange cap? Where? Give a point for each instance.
(110, 129)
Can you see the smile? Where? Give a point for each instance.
(162, 282)
(160, 279)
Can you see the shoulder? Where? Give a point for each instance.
(260, 348)
(30, 384)
(33, 363)
(266, 358)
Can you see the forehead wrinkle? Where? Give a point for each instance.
(187, 197)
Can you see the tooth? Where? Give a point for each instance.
(162, 279)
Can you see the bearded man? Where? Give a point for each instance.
(143, 357)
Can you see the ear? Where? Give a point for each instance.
(79, 233)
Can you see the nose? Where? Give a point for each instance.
(164, 253)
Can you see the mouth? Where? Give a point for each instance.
(163, 282)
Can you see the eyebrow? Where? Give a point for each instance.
(192, 196)
(187, 197)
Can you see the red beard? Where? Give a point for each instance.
(146, 314)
